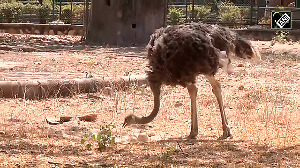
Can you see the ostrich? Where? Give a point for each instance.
(177, 54)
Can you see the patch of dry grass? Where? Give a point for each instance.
(261, 102)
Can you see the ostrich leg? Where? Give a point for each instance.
(217, 92)
(192, 89)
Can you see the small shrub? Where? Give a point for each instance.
(201, 12)
(104, 138)
(66, 14)
(78, 11)
(245, 13)
(31, 9)
(11, 12)
(265, 20)
(175, 16)
(229, 13)
(44, 13)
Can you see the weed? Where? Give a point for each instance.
(281, 37)
(200, 12)
(167, 156)
(175, 16)
(104, 138)
(229, 13)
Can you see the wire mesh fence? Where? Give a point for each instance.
(210, 11)
(233, 13)
(42, 11)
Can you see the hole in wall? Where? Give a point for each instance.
(107, 2)
(133, 25)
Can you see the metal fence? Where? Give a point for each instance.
(234, 13)
(211, 11)
(42, 11)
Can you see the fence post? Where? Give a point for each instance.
(251, 12)
(193, 10)
(53, 6)
(60, 10)
(71, 19)
(86, 17)
(165, 12)
(186, 10)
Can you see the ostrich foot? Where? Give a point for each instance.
(192, 135)
(226, 134)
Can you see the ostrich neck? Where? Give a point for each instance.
(149, 118)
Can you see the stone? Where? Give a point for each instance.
(51, 32)
(52, 121)
(36, 32)
(88, 118)
(27, 49)
(60, 33)
(143, 137)
(71, 32)
(241, 65)
(5, 47)
(65, 119)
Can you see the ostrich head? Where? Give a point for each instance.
(130, 119)
(244, 49)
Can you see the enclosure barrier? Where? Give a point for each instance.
(41, 29)
(41, 89)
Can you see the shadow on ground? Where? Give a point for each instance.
(176, 152)
(216, 153)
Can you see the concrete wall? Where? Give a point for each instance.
(266, 35)
(124, 22)
(42, 29)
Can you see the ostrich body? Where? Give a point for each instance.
(178, 54)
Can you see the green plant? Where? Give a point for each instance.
(229, 13)
(78, 12)
(31, 9)
(281, 36)
(167, 156)
(265, 20)
(281, 8)
(201, 12)
(11, 12)
(175, 16)
(104, 138)
(44, 13)
(68, 13)
(245, 13)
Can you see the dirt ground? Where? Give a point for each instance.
(262, 102)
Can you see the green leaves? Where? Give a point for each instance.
(200, 12)
(175, 16)
(103, 139)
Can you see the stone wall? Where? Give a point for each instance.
(41, 29)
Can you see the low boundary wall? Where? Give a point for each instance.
(41, 29)
(266, 35)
